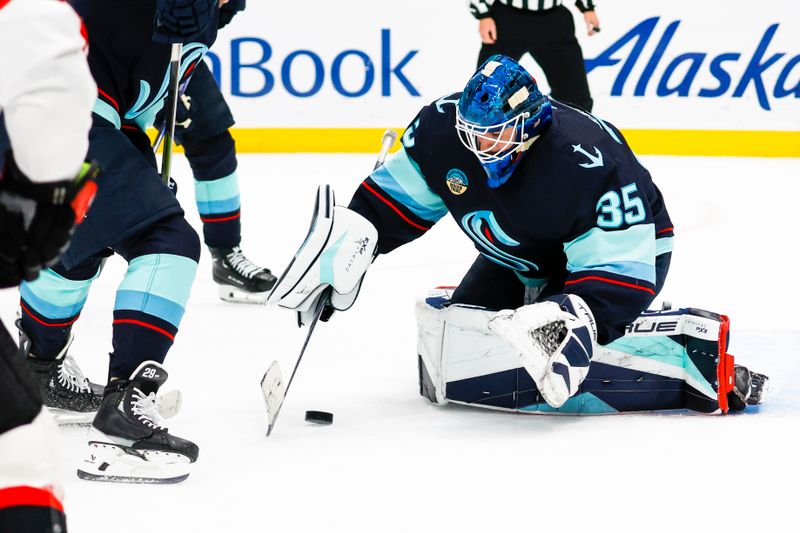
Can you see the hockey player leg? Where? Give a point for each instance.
(238, 279)
(30, 494)
(50, 305)
(210, 149)
(127, 441)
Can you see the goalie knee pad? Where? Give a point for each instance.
(668, 360)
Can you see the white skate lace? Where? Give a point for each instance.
(242, 264)
(71, 377)
(145, 408)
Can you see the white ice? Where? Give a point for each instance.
(393, 462)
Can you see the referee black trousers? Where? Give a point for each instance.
(549, 36)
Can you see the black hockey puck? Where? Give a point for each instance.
(319, 417)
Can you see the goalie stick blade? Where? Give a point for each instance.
(273, 390)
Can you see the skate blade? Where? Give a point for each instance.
(116, 463)
(232, 294)
(64, 418)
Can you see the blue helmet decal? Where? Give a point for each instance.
(500, 113)
(483, 229)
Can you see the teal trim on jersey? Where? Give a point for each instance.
(531, 282)
(401, 178)
(106, 111)
(148, 117)
(663, 350)
(630, 252)
(584, 403)
(151, 304)
(54, 296)
(663, 245)
(145, 109)
(326, 262)
(166, 276)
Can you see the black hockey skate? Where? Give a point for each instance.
(68, 394)
(239, 279)
(127, 442)
(749, 388)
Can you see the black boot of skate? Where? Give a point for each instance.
(239, 279)
(749, 388)
(127, 442)
(68, 394)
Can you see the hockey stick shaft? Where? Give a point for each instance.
(170, 108)
(163, 127)
(325, 298)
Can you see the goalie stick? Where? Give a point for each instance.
(272, 387)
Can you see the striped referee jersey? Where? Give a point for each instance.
(480, 8)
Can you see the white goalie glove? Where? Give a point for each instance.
(336, 253)
(555, 339)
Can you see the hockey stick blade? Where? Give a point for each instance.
(273, 391)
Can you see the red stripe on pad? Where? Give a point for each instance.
(665, 230)
(145, 325)
(42, 322)
(612, 282)
(393, 207)
(29, 497)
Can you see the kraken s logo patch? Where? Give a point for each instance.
(457, 181)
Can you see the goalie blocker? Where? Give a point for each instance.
(668, 360)
(336, 253)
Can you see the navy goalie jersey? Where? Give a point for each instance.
(580, 214)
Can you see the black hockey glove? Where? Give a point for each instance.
(177, 21)
(37, 219)
(229, 10)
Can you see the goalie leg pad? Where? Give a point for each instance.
(672, 360)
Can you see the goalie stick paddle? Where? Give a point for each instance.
(272, 388)
(170, 108)
(272, 382)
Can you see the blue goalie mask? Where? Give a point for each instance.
(500, 114)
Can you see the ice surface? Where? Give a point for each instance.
(393, 462)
